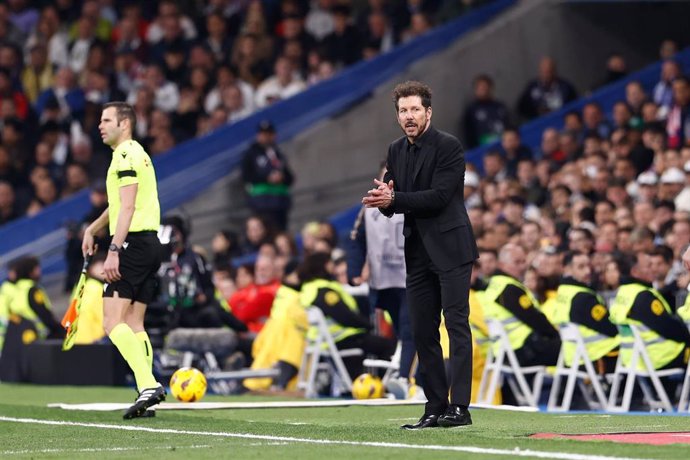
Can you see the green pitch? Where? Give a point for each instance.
(29, 429)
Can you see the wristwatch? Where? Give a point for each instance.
(114, 248)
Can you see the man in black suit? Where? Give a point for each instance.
(425, 181)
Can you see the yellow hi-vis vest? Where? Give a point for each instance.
(683, 312)
(660, 349)
(310, 291)
(480, 332)
(517, 330)
(597, 344)
(19, 304)
(6, 293)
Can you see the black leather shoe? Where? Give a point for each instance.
(455, 416)
(427, 421)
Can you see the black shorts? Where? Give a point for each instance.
(139, 262)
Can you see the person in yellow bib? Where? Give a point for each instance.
(534, 339)
(638, 303)
(134, 254)
(576, 302)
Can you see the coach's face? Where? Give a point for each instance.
(413, 117)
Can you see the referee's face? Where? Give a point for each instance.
(109, 128)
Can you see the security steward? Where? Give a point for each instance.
(577, 302)
(638, 303)
(348, 328)
(533, 338)
(29, 318)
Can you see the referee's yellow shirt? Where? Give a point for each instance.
(132, 165)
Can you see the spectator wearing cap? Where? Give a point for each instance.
(546, 93)
(485, 117)
(682, 200)
(672, 182)
(647, 186)
(267, 177)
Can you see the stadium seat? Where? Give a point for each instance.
(655, 395)
(504, 362)
(570, 333)
(321, 345)
(683, 403)
(391, 367)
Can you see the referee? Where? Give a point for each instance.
(134, 255)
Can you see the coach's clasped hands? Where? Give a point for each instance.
(379, 197)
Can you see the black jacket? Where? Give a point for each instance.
(432, 199)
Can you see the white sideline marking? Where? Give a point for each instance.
(516, 452)
(273, 405)
(99, 449)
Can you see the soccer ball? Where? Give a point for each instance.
(188, 384)
(366, 386)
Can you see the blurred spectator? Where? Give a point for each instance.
(616, 68)
(485, 118)
(38, 74)
(662, 94)
(8, 207)
(251, 303)
(594, 122)
(319, 21)
(379, 34)
(267, 177)
(170, 19)
(546, 93)
(256, 233)
(513, 150)
(283, 84)
(678, 122)
(65, 95)
(225, 246)
(219, 40)
(420, 23)
(668, 49)
(344, 45)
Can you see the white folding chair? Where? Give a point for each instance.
(505, 363)
(655, 395)
(570, 334)
(683, 403)
(392, 366)
(321, 346)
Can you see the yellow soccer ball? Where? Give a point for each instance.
(366, 386)
(188, 384)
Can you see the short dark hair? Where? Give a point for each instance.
(569, 256)
(412, 88)
(663, 251)
(123, 111)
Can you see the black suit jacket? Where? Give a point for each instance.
(433, 198)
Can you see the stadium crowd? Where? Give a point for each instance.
(612, 188)
(187, 66)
